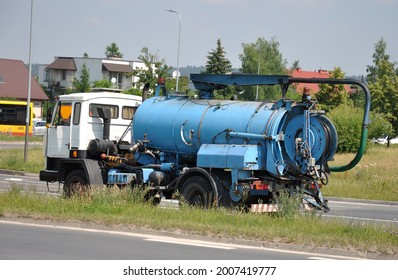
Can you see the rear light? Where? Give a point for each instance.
(313, 186)
(259, 185)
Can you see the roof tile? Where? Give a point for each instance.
(14, 81)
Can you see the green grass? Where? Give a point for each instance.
(9, 137)
(13, 159)
(375, 177)
(125, 208)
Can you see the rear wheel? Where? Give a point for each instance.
(76, 184)
(197, 192)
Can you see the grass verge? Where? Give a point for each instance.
(126, 208)
(13, 159)
(9, 137)
(375, 177)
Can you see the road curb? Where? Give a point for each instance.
(19, 173)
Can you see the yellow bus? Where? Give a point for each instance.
(13, 117)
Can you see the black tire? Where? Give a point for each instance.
(76, 184)
(197, 192)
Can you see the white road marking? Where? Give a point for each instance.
(197, 243)
(362, 203)
(13, 179)
(319, 258)
(362, 219)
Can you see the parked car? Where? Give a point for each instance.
(39, 128)
(380, 140)
(394, 140)
(384, 140)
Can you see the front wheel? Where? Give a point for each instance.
(197, 192)
(76, 184)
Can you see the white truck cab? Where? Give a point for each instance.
(83, 127)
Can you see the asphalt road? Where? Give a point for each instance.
(28, 241)
(362, 212)
(7, 145)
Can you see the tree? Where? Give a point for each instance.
(182, 83)
(82, 84)
(330, 95)
(382, 65)
(102, 84)
(153, 69)
(217, 63)
(262, 57)
(113, 51)
(379, 126)
(295, 65)
(383, 84)
(357, 95)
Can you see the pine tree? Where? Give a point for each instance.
(217, 63)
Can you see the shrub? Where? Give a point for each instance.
(379, 126)
(102, 84)
(348, 122)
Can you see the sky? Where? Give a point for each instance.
(320, 34)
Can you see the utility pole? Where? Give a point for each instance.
(178, 48)
(28, 120)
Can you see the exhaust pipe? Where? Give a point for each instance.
(105, 146)
(145, 92)
(106, 117)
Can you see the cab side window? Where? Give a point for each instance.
(128, 112)
(76, 113)
(113, 109)
(63, 114)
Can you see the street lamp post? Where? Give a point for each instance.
(258, 67)
(178, 48)
(28, 120)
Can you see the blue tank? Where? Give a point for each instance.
(288, 137)
(225, 152)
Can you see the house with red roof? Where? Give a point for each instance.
(14, 76)
(313, 88)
